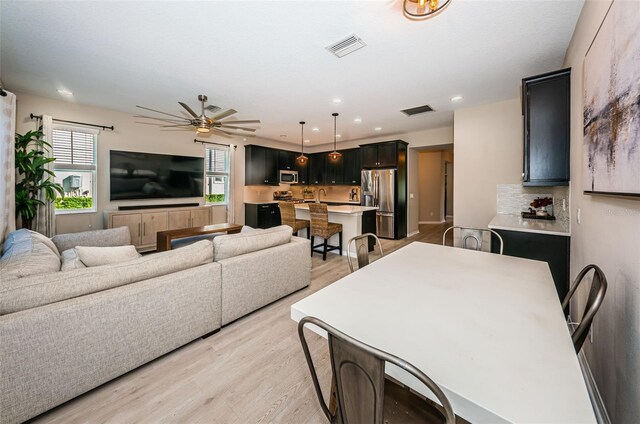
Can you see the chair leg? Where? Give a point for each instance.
(312, 241)
(324, 251)
(340, 242)
(308, 233)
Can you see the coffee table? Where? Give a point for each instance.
(164, 238)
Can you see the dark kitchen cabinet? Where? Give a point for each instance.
(549, 248)
(546, 109)
(303, 171)
(317, 165)
(261, 165)
(286, 160)
(262, 215)
(380, 155)
(333, 170)
(351, 167)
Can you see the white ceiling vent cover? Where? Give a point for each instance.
(346, 46)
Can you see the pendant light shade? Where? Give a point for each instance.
(423, 9)
(302, 159)
(335, 154)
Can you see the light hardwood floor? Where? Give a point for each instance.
(252, 371)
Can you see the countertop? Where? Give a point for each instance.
(323, 200)
(517, 223)
(341, 209)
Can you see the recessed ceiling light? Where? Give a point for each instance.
(315, 129)
(338, 135)
(283, 136)
(377, 129)
(337, 100)
(357, 120)
(65, 92)
(307, 141)
(244, 139)
(456, 98)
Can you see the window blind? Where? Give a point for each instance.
(73, 149)
(216, 161)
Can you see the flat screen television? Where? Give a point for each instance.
(135, 175)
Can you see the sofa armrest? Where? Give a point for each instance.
(99, 238)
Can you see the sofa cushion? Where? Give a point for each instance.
(71, 260)
(96, 256)
(232, 245)
(100, 238)
(37, 290)
(26, 253)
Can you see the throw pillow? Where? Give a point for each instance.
(71, 260)
(96, 256)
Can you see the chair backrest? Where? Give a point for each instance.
(596, 295)
(362, 249)
(358, 373)
(470, 237)
(287, 214)
(319, 217)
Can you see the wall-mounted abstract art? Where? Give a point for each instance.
(612, 104)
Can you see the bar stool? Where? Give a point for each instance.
(288, 217)
(321, 227)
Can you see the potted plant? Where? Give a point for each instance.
(33, 176)
(541, 206)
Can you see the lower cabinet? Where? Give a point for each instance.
(551, 249)
(144, 224)
(262, 215)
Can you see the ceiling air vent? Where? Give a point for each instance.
(346, 46)
(417, 110)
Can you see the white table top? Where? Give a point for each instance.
(517, 223)
(342, 209)
(489, 329)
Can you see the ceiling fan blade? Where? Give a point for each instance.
(179, 125)
(186, 106)
(164, 113)
(161, 119)
(224, 114)
(221, 133)
(237, 128)
(251, 121)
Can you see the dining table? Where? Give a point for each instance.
(489, 329)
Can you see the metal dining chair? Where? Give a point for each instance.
(596, 296)
(359, 377)
(475, 235)
(362, 249)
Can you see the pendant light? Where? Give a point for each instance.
(302, 159)
(335, 154)
(423, 9)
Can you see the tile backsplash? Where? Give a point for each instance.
(515, 198)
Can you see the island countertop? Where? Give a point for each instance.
(341, 209)
(517, 223)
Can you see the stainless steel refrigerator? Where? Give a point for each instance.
(378, 189)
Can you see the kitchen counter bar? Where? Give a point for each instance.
(539, 226)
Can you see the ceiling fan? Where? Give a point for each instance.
(202, 123)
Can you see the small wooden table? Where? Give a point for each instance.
(164, 238)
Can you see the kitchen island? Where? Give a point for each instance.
(355, 220)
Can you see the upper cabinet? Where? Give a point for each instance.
(261, 165)
(546, 108)
(333, 170)
(303, 171)
(286, 160)
(351, 167)
(382, 155)
(317, 165)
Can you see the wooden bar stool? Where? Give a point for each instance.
(321, 227)
(288, 217)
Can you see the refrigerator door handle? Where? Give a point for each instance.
(384, 213)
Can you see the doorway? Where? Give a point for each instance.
(448, 190)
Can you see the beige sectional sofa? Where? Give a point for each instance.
(63, 333)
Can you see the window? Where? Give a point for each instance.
(216, 168)
(75, 168)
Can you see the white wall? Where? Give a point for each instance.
(488, 150)
(128, 135)
(609, 237)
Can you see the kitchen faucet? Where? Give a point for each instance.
(318, 194)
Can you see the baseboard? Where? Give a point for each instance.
(600, 410)
(413, 233)
(431, 222)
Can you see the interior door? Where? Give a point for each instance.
(152, 223)
(200, 217)
(134, 222)
(179, 219)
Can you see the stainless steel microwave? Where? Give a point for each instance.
(288, 177)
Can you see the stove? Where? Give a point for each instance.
(286, 196)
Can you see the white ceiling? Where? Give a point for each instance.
(267, 59)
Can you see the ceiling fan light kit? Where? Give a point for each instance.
(335, 154)
(423, 9)
(302, 158)
(202, 123)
